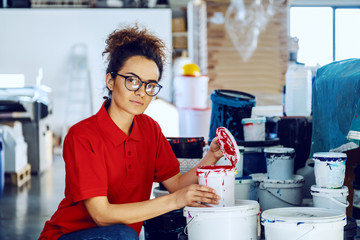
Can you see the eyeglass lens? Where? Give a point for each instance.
(133, 83)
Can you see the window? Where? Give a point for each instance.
(325, 33)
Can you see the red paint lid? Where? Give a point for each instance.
(228, 145)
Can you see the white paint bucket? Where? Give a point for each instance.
(280, 193)
(303, 223)
(220, 178)
(239, 165)
(194, 122)
(329, 169)
(159, 193)
(191, 92)
(254, 186)
(230, 223)
(242, 188)
(280, 163)
(330, 198)
(254, 129)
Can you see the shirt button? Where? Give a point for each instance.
(129, 153)
(129, 166)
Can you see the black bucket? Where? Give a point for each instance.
(356, 198)
(350, 229)
(228, 109)
(165, 227)
(186, 147)
(187, 150)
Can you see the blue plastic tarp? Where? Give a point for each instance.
(335, 104)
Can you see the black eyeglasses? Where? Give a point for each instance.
(134, 83)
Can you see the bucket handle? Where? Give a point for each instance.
(282, 199)
(187, 225)
(310, 230)
(338, 202)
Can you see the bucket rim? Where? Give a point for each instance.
(257, 177)
(251, 206)
(243, 180)
(279, 150)
(241, 95)
(296, 181)
(215, 169)
(329, 155)
(320, 191)
(253, 120)
(301, 215)
(175, 140)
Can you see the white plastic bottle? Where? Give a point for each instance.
(298, 89)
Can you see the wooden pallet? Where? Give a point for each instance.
(21, 177)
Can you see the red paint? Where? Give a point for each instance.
(227, 146)
(215, 167)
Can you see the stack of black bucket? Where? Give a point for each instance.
(171, 225)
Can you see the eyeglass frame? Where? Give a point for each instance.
(140, 85)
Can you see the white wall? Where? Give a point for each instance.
(34, 38)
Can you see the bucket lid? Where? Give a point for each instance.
(243, 207)
(329, 156)
(276, 151)
(253, 120)
(301, 215)
(228, 145)
(319, 191)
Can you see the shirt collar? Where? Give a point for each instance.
(112, 131)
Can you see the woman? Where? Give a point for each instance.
(113, 157)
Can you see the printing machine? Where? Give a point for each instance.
(30, 105)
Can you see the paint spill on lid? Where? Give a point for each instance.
(228, 145)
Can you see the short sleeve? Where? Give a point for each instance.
(167, 165)
(86, 174)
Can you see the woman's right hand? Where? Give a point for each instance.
(195, 195)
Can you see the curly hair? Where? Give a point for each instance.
(131, 41)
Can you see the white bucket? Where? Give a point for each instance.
(242, 188)
(220, 178)
(329, 169)
(330, 198)
(230, 223)
(280, 193)
(254, 129)
(254, 186)
(280, 163)
(239, 165)
(303, 223)
(159, 193)
(194, 122)
(191, 92)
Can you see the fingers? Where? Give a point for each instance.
(203, 195)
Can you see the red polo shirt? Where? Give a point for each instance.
(101, 160)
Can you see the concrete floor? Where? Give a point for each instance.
(24, 210)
